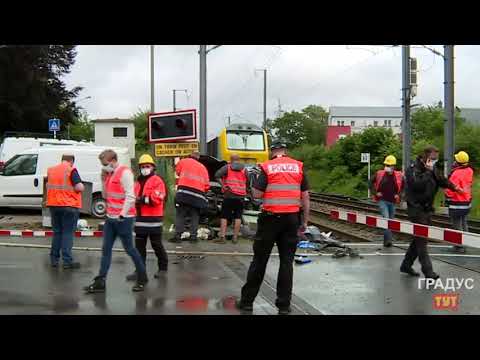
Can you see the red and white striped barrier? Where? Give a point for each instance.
(431, 232)
(31, 233)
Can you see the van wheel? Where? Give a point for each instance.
(99, 206)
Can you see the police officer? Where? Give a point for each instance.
(150, 192)
(283, 187)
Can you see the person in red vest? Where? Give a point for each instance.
(388, 185)
(150, 191)
(283, 187)
(460, 203)
(119, 192)
(64, 199)
(192, 186)
(234, 187)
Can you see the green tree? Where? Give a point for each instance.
(32, 89)
(82, 129)
(141, 131)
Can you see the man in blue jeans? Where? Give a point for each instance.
(118, 191)
(64, 199)
(387, 185)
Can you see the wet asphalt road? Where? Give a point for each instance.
(208, 286)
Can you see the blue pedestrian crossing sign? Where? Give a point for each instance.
(54, 125)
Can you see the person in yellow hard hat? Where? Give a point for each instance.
(387, 186)
(151, 194)
(459, 203)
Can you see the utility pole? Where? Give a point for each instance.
(449, 100)
(229, 122)
(203, 99)
(264, 124)
(406, 125)
(174, 105)
(152, 86)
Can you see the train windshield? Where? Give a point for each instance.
(245, 140)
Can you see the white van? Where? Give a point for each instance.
(15, 145)
(21, 180)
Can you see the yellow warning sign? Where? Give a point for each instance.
(175, 149)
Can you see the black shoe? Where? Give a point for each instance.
(387, 244)
(159, 274)
(98, 286)
(432, 275)
(176, 240)
(142, 280)
(409, 271)
(132, 277)
(243, 307)
(73, 265)
(54, 265)
(284, 311)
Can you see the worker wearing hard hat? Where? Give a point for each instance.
(151, 193)
(459, 203)
(387, 186)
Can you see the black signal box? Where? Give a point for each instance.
(172, 126)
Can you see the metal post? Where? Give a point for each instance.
(174, 107)
(449, 125)
(369, 176)
(229, 122)
(265, 99)
(152, 86)
(406, 125)
(54, 134)
(203, 99)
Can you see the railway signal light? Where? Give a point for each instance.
(172, 126)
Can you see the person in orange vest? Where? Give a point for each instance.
(460, 203)
(192, 186)
(64, 199)
(388, 185)
(234, 187)
(119, 192)
(150, 191)
(283, 187)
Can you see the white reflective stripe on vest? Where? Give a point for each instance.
(148, 224)
(459, 207)
(115, 195)
(282, 187)
(60, 187)
(192, 193)
(234, 181)
(192, 176)
(284, 201)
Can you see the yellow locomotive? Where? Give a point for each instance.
(249, 141)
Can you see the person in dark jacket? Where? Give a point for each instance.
(423, 180)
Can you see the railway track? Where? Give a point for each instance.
(346, 202)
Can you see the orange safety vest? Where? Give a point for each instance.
(284, 179)
(193, 174)
(236, 181)
(60, 190)
(378, 180)
(462, 177)
(154, 188)
(115, 193)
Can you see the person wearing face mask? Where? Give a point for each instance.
(234, 180)
(150, 191)
(119, 193)
(387, 185)
(423, 179)
(459, 203)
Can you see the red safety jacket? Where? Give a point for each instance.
(154, 190)
(236, 181)
(115, 193)
(462, 177)
(398, 180)
(60, 190)
(192, 174)
(284, 179)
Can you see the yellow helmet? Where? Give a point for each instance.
(390, 160)
(146, 159)
(462, 157)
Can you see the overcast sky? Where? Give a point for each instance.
(118, 78)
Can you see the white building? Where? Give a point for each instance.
(360, 118)
(115, 132)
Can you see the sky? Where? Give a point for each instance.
(117, 78)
